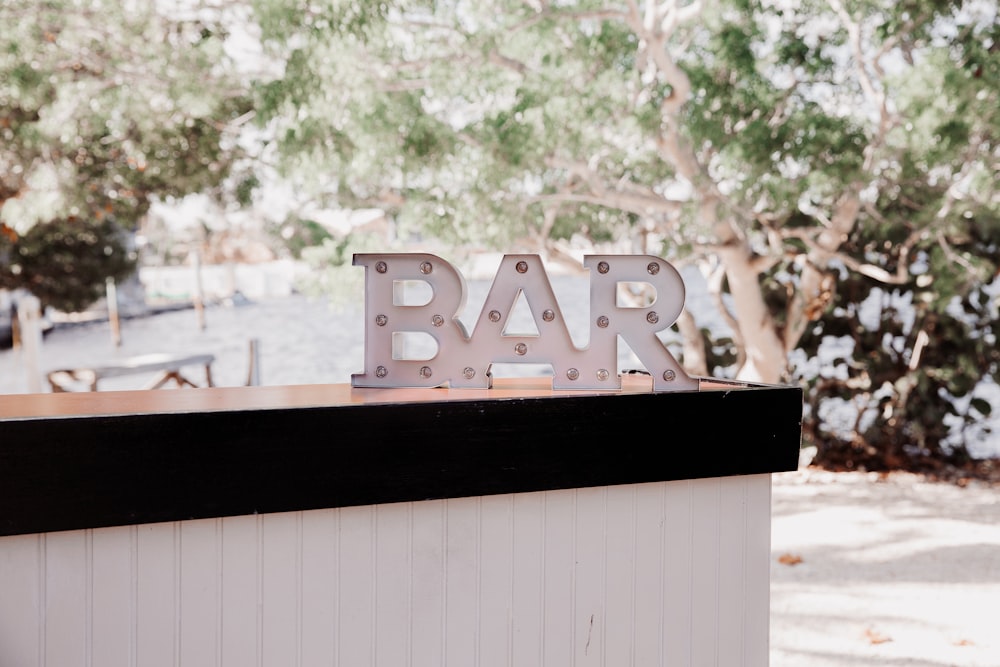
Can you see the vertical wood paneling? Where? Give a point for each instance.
(619, 574)
(22, 609)
(356, 583)
(638, 575)
(527, 599)
(427, 582)
(649, 625)
(589, 607)
(66, 602)
(730, 603)
(239, 589)
(757, 583)
(279, 585)
(677, 529)
(320, 532)
(557, 582)
(461, 582)
(495, 582)
(111, 597)
(156, 613)
(392, 585)
(704, 589)
(198, 605)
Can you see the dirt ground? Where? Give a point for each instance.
(884, 570)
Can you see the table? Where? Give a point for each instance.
(167, 366)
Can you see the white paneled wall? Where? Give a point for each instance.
(673, 573)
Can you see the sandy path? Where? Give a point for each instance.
(895, 571)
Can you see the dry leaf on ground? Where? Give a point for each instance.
(789, 559)
(875, 637)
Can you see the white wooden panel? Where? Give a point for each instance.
(527, 594)
(682, 563)
(112, 588)
(392, 584)
(198, 586)
(557, 578)
(589, 550)
(704, 580)
(356, 582)
(279, 576)
(66, 602)
(496, 560)
(730, 604)
(240, 591)
(156, 614)
(461, 581)
(428, 583)
(757, 582)
(22, 610)
(620, 575)
(651, 574)
(320, 551)
(649, 624)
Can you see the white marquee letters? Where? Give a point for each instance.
(464, 360)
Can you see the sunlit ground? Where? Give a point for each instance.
(883, 571)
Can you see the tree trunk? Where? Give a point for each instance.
(766, 357)
(695, 357)
(815, 288)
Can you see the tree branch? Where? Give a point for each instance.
(643, 206)
(952, 255)
(501, 60)
(899, 277)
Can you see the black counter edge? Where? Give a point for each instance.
(93, 472)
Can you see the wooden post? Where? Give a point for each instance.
(199, 292)
(253, 364)
(113, 319)
(29, 316)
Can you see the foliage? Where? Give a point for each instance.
(814, 153)
(105, 107)
(332, 275)
(65, 262)
(900, 388)
(298, 234)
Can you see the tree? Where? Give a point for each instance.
(104, 107)
(65, 263)
(808, 155)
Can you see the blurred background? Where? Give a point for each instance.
(194, 175)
